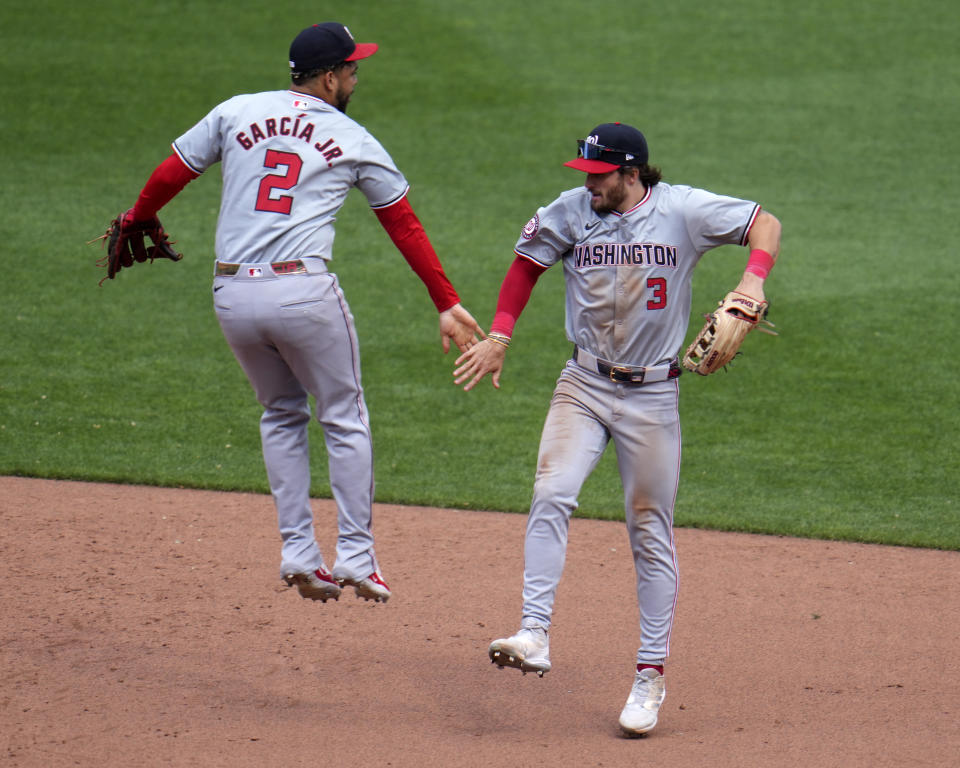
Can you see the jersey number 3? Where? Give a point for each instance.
(658, 286)
(286, 180)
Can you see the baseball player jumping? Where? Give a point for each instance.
(289, 158)
(628, 244)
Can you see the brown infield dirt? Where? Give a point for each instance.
(149, 627)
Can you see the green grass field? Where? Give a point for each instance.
(838, 117)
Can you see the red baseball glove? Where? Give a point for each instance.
(125, 243)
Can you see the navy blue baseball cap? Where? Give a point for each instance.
(324, 45)
(610, 146)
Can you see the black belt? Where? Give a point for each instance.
(295, 267)
(627, 374)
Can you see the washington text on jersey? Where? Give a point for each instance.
(624, 254)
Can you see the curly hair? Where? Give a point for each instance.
(649, 175)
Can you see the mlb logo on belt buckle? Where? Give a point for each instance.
(254, 272)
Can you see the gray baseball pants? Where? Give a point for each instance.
(587, 412)
(294, 336)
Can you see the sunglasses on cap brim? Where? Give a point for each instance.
(589, 151)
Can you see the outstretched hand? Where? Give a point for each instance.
(481, 359)
(458, 325)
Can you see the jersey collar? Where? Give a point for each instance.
(309, 98)
(642, 201)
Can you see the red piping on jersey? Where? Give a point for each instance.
(642, 201)
(407, 233)
(395, 200)
(753, 220)
(184, 160)
(528, 257)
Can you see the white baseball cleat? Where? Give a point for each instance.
(373, 587)
(315, 585)
(528, 651)
(639, 714)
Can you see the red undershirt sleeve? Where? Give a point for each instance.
(164, 183)
(407, 233)
(515, 293)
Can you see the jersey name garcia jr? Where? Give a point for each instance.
(628, 275)
(288, 161)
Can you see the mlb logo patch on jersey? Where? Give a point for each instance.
(254, 272)
(300, 104)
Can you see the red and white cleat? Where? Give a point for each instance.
(373, 587)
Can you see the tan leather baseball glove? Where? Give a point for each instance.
(724, 331)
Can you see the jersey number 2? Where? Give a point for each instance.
(659, 287)
(272, 181)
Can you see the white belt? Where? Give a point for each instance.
(630, 374)
(309, 265)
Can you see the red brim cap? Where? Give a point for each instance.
(363, 51)
(591, 166)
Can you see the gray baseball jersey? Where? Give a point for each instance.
(628, 275)
(286, 153)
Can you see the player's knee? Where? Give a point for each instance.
(553, 500)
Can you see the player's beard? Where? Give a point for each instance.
(341, 99)
(611, 199)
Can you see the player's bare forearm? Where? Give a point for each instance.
(765, 234)
(481, 359)
(458, 325)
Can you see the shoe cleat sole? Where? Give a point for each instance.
(321, 598)
(321, 595)
(368, 596)
(504, 660)
(363, 591)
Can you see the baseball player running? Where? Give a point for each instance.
(628, 244)
(289, 158)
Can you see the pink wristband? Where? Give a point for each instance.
(760, 263)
